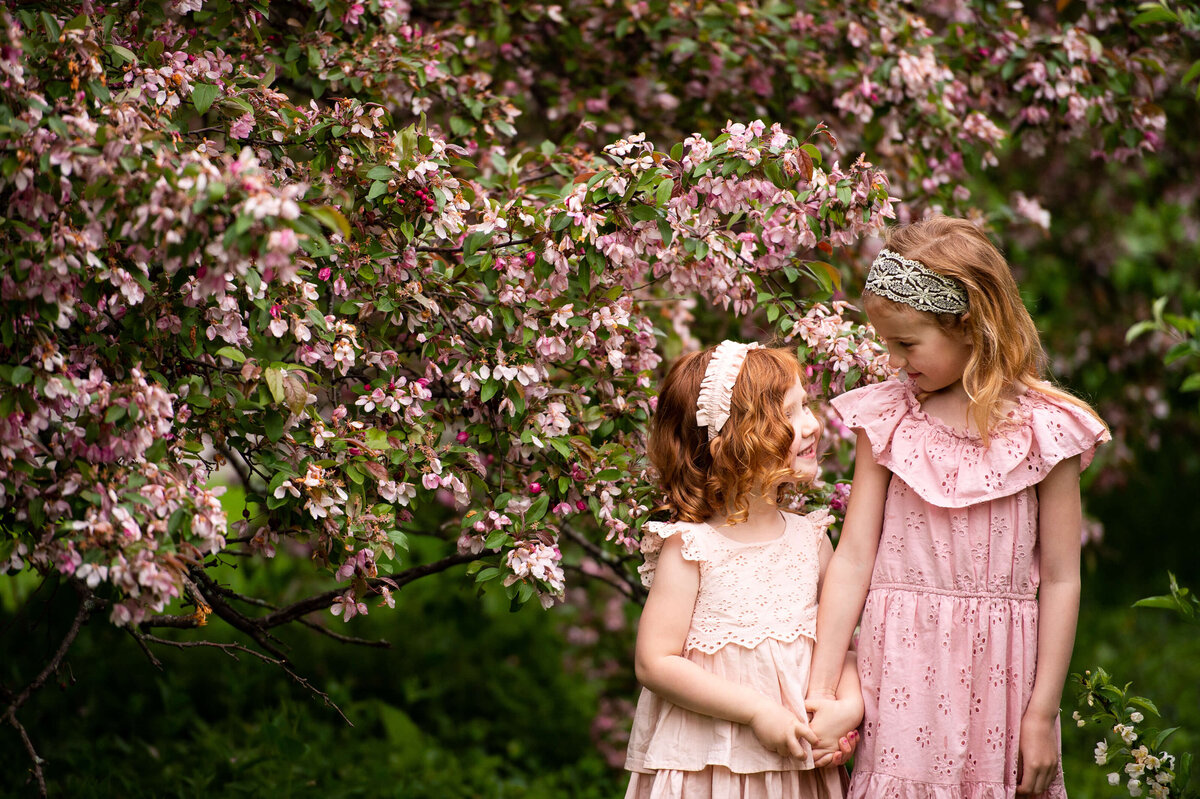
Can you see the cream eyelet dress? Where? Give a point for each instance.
(947, 648)
(754, 623)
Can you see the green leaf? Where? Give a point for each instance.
(1141, 327)
(663, 193)
(232, 354)
(1155, 15)
(332, 218)
(538, 509)
(113, 413)
(1192, 73)
(490, 573)
(1192, 383)
(123, 54)
(608, 475)
(273, 425)
(203, 95)
(1144, 704)
(381, 173)
(274, 377)
(1161, 602)
(1157, 740)
(21, 375)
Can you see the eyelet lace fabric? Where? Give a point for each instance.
(753, 624)
(749, 592)
(947, 648)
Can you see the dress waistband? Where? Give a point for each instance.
(929, 589)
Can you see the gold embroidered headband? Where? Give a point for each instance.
(911, 282)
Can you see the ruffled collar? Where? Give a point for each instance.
(1016, 418)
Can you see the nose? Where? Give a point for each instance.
(809, 424)
(895, 360)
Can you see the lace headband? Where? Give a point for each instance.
(914, 284)
(716, 390)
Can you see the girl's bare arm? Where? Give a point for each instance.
(661, 667)
(1059, 523)
(845, 584)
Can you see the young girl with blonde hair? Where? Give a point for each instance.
(960, 546)
(726, 636)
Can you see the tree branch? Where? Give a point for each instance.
(233, 649)
(86, 606)
(322, 601)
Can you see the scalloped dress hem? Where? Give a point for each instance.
(878, 785)
(718, 782)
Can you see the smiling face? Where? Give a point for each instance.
(934, 357)
(806, 432)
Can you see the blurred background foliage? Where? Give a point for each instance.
(472, 700)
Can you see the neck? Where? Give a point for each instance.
(762, 524)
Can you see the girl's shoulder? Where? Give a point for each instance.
(951, 468)
(655, 535)
(811, 526)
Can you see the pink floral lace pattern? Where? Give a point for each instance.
(948, 644)
(953, 469)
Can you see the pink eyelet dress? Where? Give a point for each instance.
(947, 648)
(753, 624)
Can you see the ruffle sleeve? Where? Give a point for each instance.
(818, 522)
(654, 535)
(952, 469)
(876, 409)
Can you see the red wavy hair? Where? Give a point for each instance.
(701, 478)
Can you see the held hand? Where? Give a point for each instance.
(780, 730)
(846, 747)
(1037, 756)
(833, 723)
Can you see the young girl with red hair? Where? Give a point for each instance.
(727, 632)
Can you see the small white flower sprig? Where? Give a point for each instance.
(1139, 759)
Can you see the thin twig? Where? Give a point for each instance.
(626, 586)
(322, 601)
(496, 246)
(33, 755)
(251, 627)
(141, 641)
(345, 639)
(621, 586)
(232, 650)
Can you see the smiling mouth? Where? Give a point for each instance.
(809, 452)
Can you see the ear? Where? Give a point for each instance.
(964, 326)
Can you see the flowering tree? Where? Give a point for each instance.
(401, 271)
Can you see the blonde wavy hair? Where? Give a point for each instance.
(1006, 352)
(701, 478)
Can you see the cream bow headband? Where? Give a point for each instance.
(716, 390)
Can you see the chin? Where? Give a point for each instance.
(806, 471)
